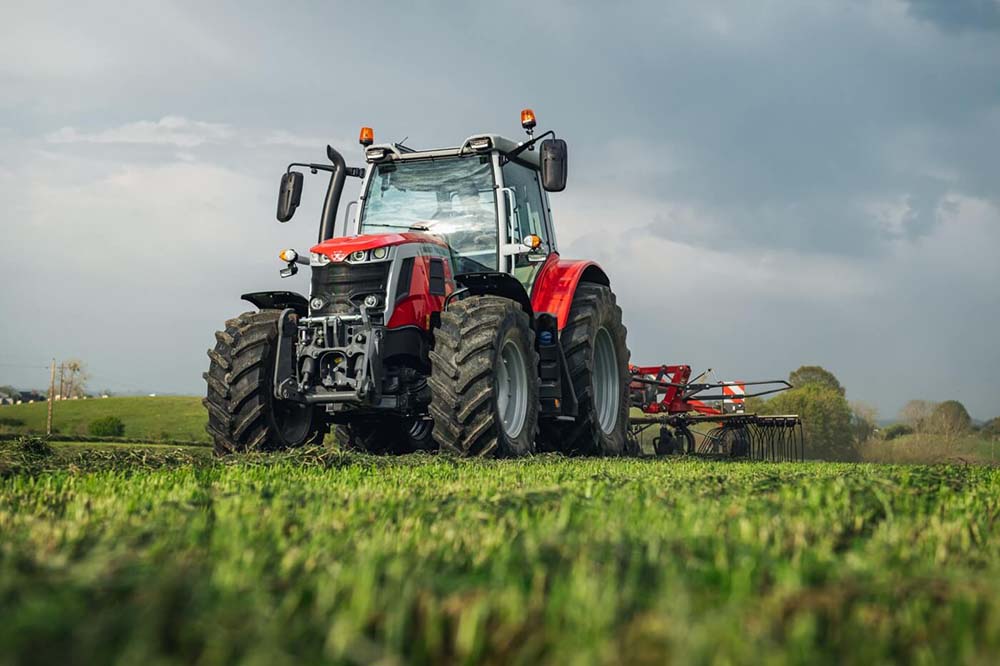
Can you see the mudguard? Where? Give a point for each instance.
(278, 300)
(556, 283)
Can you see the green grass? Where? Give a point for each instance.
(162, 555)
(168, 417)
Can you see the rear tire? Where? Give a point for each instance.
(484, 379)
(597, 359)
(243, 414)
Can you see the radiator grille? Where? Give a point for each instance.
(344, 286)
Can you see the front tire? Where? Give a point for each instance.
(243, 414)
(597, 359)
(484, 379)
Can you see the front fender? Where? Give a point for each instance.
(278, 300)
(556, 285)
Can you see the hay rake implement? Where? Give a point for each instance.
(671, 400)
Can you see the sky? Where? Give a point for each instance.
(769, 184)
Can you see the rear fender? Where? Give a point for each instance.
(556, 285)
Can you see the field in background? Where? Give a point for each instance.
(179, 418)
(166, 555)
(928, 448)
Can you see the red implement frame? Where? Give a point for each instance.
(669, 398)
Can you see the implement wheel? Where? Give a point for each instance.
(243, 414)
(597, 358)
(484, 379)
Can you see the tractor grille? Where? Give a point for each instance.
(344, 286)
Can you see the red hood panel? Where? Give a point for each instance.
(339, 248)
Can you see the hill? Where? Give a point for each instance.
(162, 418)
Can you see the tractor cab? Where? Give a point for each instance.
(486, 199)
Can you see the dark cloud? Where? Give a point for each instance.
(958, 14)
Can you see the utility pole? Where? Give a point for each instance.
(52, 397)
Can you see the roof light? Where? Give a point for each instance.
(528, 119)
(481, 143)
(375, 154)
(367, 136)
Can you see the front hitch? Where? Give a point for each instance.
(285, 385)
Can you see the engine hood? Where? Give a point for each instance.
(338, 249)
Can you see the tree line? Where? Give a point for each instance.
(837, 429)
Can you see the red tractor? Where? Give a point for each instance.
(444, 318)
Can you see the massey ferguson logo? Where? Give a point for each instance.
(338, 256)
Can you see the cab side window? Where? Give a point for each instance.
(529, 212)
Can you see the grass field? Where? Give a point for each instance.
(163, 417)
(163, 555)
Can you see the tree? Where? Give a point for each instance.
(992, 427)
(826, 419)
(814, 374)
(950, 418)
(73, 378)
(917, 414)
(864, 421)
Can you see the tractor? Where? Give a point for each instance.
(444, 319)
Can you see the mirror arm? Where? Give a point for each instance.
(355, 172)
(527, 145)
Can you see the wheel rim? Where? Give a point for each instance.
(511, 386)
(607, 387)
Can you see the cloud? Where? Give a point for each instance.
(181, 132)
(958, 14)
(169, 130)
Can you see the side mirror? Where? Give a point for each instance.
(553, 159)
(289, 195)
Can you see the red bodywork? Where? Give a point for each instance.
(556, 284)
(340, 248)
(417, 308)
(673, 401)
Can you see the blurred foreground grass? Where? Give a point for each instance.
(163, 555)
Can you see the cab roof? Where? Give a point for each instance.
(500, 143)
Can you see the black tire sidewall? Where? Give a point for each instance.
(513, 327)
(607, 317)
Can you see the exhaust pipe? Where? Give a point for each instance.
(333, 192)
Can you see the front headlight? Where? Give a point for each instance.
(380, 253)
(358, 256)
(317, 259)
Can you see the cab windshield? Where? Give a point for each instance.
(452, 197)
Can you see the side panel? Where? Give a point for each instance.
(556, 284)
(415, 305)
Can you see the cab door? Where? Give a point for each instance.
(528, 218)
